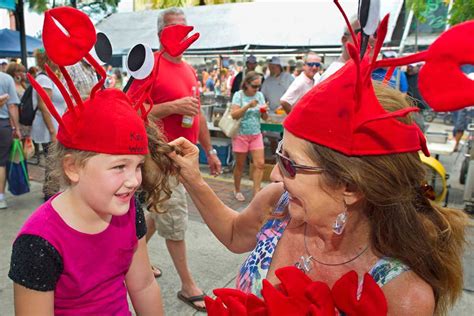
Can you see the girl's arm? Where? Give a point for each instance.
(236, 231)
(141, 285)
(31, 302)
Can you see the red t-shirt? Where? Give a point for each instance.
(174, 81)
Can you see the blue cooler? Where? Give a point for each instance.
(223, 146)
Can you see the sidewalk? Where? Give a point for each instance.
(212, 265)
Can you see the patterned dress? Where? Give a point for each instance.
(255, 268)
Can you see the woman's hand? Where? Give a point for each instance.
(253, 103)
(186, 157)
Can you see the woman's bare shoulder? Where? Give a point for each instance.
(408, 294)
(268, 196)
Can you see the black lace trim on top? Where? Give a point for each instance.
(35, 263)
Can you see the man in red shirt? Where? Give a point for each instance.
(175, 95)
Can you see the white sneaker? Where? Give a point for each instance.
(3, 204)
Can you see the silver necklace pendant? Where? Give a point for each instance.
(304, 264)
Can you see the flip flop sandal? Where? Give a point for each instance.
(192, 299)
(156, 272)
(239, 196)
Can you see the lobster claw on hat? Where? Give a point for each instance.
(444, 59)
(174, 39)
(68, 35)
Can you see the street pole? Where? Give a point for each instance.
(21, 24)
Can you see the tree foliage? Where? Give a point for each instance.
(40, 6)
(462, 10)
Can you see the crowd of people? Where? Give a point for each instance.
(341, 199)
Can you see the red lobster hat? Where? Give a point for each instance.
(141, 63)
(343, 112)
(106, 122)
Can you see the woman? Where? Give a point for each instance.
(118, 80)
(18, 73)
(347, 213)
(249, 105)
(45, 127)
(348, 191)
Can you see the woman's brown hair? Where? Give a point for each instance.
(404, 224)
(249, 77)
(42, 59)
(13, 68)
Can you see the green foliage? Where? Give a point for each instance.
(418, 7)
(462, 10)
(40, 6)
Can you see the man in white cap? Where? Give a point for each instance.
(276, 83)
(250, 65)
(3, 65)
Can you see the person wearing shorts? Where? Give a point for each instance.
(461, 119)
(249, 105)
(9, 127)
(171, 102)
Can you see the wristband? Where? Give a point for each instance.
(263, 110)
(212, 151)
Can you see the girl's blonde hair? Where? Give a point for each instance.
(156, 190)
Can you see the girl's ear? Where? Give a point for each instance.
(71, 168)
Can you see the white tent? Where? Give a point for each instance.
(258, 25)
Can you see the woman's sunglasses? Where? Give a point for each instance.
(288, 167)
(255, 86)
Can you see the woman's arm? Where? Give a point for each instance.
(31, 302)
(47, 118)
(237, 231)
(141, 285)
(239, 112)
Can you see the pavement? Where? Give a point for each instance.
(211, 264)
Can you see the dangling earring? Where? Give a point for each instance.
(340, 223)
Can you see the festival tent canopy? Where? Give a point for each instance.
(10, 43)
(255, 25)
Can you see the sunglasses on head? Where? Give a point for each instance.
(357, 31)
(255, 86)
(288, 167)
(315, 64)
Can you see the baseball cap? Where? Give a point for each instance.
(252, 59)
(389, 54)
(3, 61)
(275, 60)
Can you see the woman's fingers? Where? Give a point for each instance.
(184, 145)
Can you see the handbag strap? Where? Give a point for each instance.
(16, 147)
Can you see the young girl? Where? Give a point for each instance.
(83, 250)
